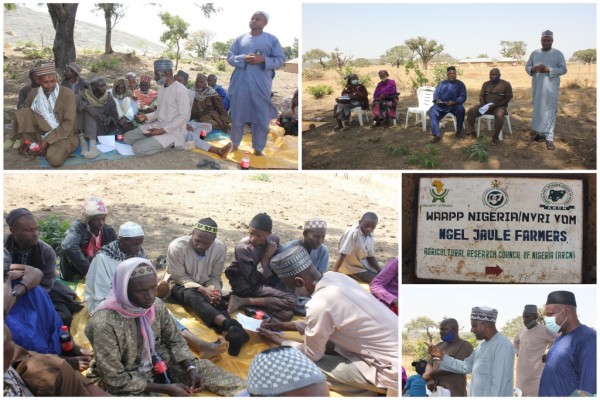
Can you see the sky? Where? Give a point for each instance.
(465, 30)
(142, 19)
(456, 301)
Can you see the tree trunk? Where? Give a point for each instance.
(63, 20)
(107, 43)
(424, 64)
(177, 57)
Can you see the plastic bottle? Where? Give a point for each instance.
(203, 134)
(246, 161)
(161, 373)
(120, 137)
(258, 314)
(66, 341)
(33, 147)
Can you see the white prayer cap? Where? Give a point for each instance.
(314, 223)
(130, 229)
(264, 14)
(484, 314)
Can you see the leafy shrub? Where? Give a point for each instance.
(397, 151)
(52, 230)
(319, 91)
(222, 66)
(35, 53)
(104, 64)
(478, 150)
(362, 79)
(92, 52)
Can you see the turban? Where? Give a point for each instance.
(207, 225)
(262, 222)
(562, 297)
(75, 67)
(315, 223)
(548, 33)
(291, 262)
(145, 79)
(530, 309)
(264, 14)
(130, 229)
(280, 370)
(46, 69)
(484, 314)
(15, 214)
(160, 65)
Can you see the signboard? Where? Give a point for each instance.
(500, 229)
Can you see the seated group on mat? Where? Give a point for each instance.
(139, 347)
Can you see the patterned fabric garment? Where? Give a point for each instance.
(14, 385)
(113, 251)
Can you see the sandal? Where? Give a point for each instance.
(550, 145)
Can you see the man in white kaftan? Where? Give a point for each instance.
(545, 66)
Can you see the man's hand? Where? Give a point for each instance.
(189, 127)
(451, 103)
(140, 117)
(435, 351)
(197, 381)
(271, 248)
(540, 68)
(274, 337)
(213, 297)
(272, 324)
(43, 148)
(154, 132)
(431, 385)
(178, 390)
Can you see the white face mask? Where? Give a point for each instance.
(551, 324)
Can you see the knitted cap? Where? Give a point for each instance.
(562, 297)
(160, 65)
(280, 370)
(75, 67)
(15, 214)
(130, 229)
(262, 222)
(314, 223)
(145, 79)
(291, 262)
(484, 314)
(46, 69)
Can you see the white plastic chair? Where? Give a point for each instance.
(359, 114)
(490, 119)
(425, 97)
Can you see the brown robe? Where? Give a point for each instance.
(212, 111)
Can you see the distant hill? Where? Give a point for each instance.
(24, 24)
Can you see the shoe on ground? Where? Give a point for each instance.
(495, 141)
(459, 136)
(537, 138)
(550, 145)
(436, 139)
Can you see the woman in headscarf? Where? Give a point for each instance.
(126, 107)
(384, 100)
(131, 331)
(354, 95)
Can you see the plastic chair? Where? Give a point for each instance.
(490, 119)
(359, 114)
(425, 97)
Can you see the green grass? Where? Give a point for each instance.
(261, 177)
(479, 150)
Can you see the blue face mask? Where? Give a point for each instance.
(448, 337)
(551, 324)
(354, 81)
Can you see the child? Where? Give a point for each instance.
(357, 250)
(415, 386)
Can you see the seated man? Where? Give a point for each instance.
(385, 285)
(194, 267)
(132, 330)
(84, 239)
(340, 313)
(385, 99)
(98, 111)
(497, 93)
(449, 97)
(72, 79)
(49, 118)
(288, 119)
(98, 280)
(183, 78)
(126, 107)
(212, 82)
(250, 276)
(208, 106)
(166, 126)
(24, 92)
(357, 250)
(25, 248)
(145, 97)
(312, 240)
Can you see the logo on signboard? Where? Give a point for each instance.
(557, 196)
(438, 193)
(495, 197)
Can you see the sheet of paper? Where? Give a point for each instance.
(124, 149)
(106, 143)
(249, 323)
(484, 109)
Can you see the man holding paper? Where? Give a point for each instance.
(493, 100)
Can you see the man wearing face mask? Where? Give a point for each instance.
(571, 361)
(498, 92)
(165, 127)
(530, 345)
(456, 347)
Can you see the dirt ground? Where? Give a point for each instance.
(284, 86)
(364, 147)
(168, 205)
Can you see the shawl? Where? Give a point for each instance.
(114, 251)
(94, 101)
(202, 94)
(44, 106)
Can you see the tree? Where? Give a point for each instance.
(338, 59)
(220, 49)
(63, 20)
(584, 56)
(423, 325)
(112, 13)
(177, 31)
(425, 49)
(514, 50)
(397, 55)
(483, 56)
(291, 52)
(199, 42)
(361, 63)
(10, 6)
(321, 56)
(208, 9)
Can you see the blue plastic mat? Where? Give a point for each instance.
(75, 158)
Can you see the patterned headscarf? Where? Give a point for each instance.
(92, 207)
(118, 300)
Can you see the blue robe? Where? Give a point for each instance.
(250, 86)
(221, 91)
(446, 91)
(545, 88)
(571, 364)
